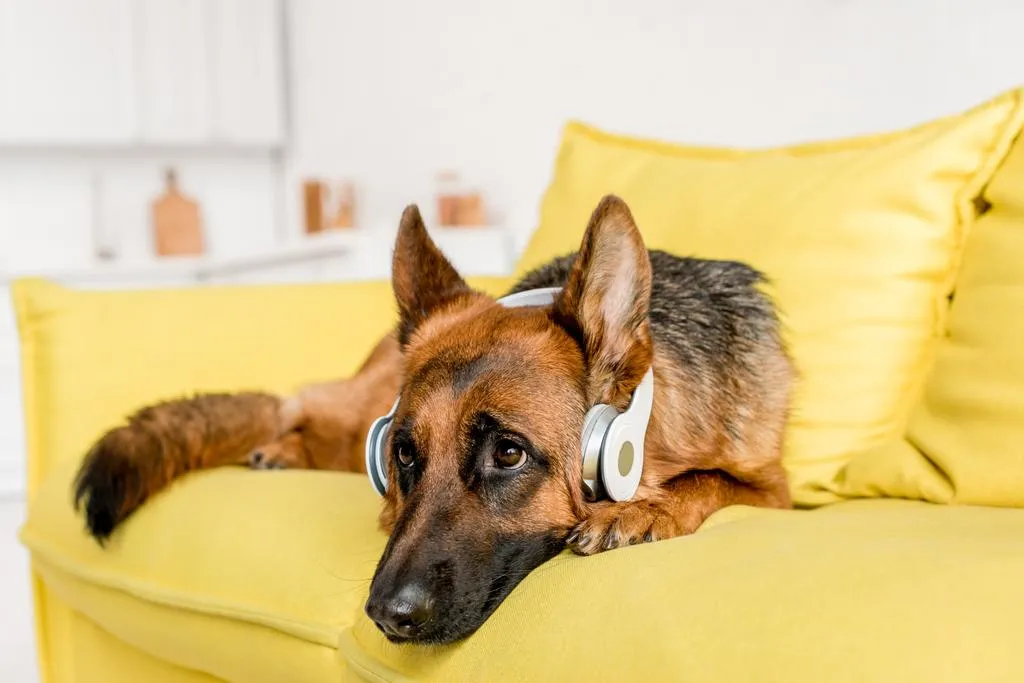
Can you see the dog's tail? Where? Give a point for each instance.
(162, 442)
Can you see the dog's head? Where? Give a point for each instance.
(483, 455)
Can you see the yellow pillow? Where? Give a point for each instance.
(860, 238)
(965, 439)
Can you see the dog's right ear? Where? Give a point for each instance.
(421, 277)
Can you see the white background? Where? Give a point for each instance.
(388, 93)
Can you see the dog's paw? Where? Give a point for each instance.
(265, 458)
(622, 524)
(285, 453)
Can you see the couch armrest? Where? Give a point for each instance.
(90, 358)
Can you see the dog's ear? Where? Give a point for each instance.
(606, 301)
(421, 276)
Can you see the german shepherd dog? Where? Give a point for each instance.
(484, 472)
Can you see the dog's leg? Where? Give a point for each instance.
(327, 422)
(677, 508)
(288, 452)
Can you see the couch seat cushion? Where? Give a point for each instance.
(259, 576)
(250, 576)
(875, 590)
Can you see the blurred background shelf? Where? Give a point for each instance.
(205, 267)
(332, 255)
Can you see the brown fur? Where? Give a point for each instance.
(328, 422)
(164, 441)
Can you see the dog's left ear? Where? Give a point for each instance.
(421, 277)
(606, 301)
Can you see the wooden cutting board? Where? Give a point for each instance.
(177, 223)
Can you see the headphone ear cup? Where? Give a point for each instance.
(622, 458)
(595, 428)
(375, 443)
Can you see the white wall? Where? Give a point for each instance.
(12, 440)
(390, 92)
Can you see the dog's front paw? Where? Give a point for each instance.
(265, 458)
(285, 453)
(622, 524)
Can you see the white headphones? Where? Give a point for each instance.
(612, 443)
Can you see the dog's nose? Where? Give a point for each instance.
(404, 613)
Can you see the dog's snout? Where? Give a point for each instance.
(404, 613)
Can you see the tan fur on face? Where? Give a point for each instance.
(532, 386)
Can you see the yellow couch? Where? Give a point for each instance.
(898, 261)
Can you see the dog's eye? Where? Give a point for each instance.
(509, 456)
(405, 456)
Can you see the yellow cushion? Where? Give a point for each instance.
(242, 576)
(965, 439)
(91, 654)
(861, 238)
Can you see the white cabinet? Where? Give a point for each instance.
(76, 73)
(247, 68)
(66, 72)
(174, 82)
(210, 72)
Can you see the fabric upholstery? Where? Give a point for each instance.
(965, 439)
